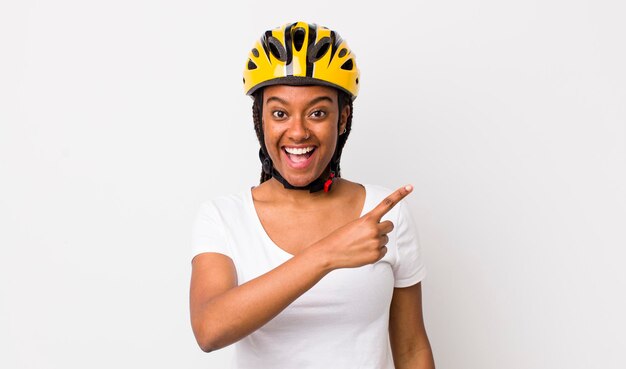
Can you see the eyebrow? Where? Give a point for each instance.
(312, 102)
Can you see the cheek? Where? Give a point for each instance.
(271, 135)
(331, 136)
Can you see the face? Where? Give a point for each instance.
(300, 129)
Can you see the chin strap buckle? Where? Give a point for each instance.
(329, 181)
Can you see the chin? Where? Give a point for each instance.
(300, 181)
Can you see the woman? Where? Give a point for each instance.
(307, 269)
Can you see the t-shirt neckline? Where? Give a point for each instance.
(267, 238)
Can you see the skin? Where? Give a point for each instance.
(335, 236)
(301, 116)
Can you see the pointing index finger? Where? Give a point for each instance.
(389, 202)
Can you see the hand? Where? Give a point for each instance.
(363, 240)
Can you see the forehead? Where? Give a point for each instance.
(298, 94)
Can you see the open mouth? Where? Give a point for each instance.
(299, 155)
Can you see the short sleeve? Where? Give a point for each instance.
(409, 268)
(208, 233)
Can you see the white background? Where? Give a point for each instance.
(117, 118)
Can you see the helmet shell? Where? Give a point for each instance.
(301, 53)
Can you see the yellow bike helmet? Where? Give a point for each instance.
(301, 54)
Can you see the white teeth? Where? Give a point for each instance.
(299, 151)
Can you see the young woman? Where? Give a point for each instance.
(307, 269)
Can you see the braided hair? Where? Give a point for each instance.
(344, 99)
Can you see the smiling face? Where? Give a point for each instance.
(300, 129)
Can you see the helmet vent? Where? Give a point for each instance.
(348, 65)
(277, 49)
(298, 38)
(300, 54)
(319, 50)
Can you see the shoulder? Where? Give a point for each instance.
(376, 193)
(377, 190)
(370, 188)
(226, 203)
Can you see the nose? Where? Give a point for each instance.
(297, 130)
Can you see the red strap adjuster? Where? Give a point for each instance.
(329, 182)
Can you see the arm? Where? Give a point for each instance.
(223, 313)
(409, 342)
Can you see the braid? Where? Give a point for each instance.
(344, 100)
(258, 126)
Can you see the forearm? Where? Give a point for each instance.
(236, 313)
(416, 359)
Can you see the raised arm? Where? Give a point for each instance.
(223, 312)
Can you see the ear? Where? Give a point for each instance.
(345, 113)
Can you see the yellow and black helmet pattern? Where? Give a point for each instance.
(301, 53)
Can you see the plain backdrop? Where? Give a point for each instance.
(118, 118)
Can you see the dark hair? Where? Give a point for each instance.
(343, 100)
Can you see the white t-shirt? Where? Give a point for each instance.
(342, 321)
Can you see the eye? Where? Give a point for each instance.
(318, 114)
(279, 114)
